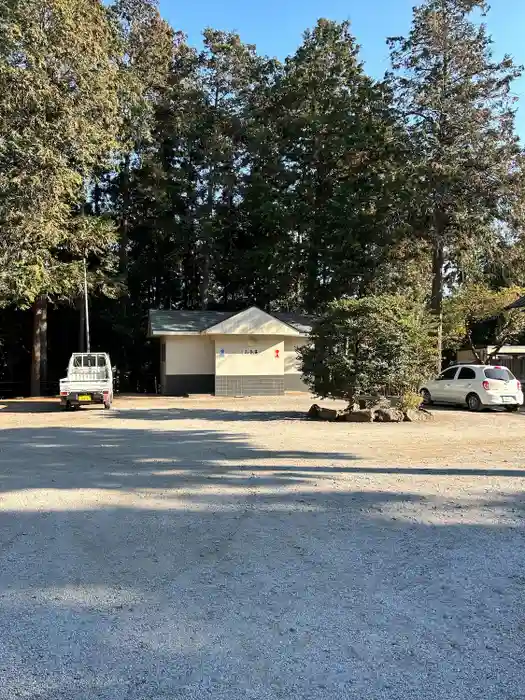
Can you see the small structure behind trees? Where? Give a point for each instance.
(477, 315)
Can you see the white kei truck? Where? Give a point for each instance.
(89, 381)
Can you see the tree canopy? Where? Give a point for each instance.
(457, 104)
(217, 177)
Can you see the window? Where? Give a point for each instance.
(90, 361)
(447, 374)
(101, 361)
(77, 361)
(467, 373)
(501, 373)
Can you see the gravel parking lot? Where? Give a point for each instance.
(200, 549)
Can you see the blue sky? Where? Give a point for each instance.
(276, 26)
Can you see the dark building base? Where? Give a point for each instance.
(182, 384)
(249, 386)
(294, 382)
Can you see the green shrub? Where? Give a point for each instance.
(375, 344)
(410, 401)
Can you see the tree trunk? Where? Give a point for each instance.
(43, 343)
(39, 359)
(436, 302)
(204, 287)
(96, 198)
(473, 348)
(205, 274)
(124, 219)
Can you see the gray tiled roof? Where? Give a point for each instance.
(164, 322)
(185, 321)
(302, 323)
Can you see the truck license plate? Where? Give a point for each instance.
(84, 397)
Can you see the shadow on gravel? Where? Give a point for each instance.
(246, 415)
(17, 406)
(112, 458)
(211, 414)
(302, 596)
(219, 582)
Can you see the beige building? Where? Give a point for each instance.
(229, 353)
(511, 356)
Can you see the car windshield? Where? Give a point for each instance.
(500, 373)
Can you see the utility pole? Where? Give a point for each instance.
(86, 307)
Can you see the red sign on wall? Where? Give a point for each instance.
(277, 354)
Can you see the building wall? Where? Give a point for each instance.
(190, 365)
(465, 356)
(293, 378)
(163, 365)
(249, 355)
(249, 365)
(230, 365)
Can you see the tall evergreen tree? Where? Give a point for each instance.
(229, 71)
(146, 44)
(193, 177)
(58, 121)
(341, 146)
(459, 110)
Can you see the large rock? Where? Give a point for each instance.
(364, 415)
(381, 412)
(317, 412)
(417, 415)
(313, 413)
(388, 415)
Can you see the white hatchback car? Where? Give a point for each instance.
(476, 386)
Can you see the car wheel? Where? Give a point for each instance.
(427, 398)
(474, 402)
(512, 409)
